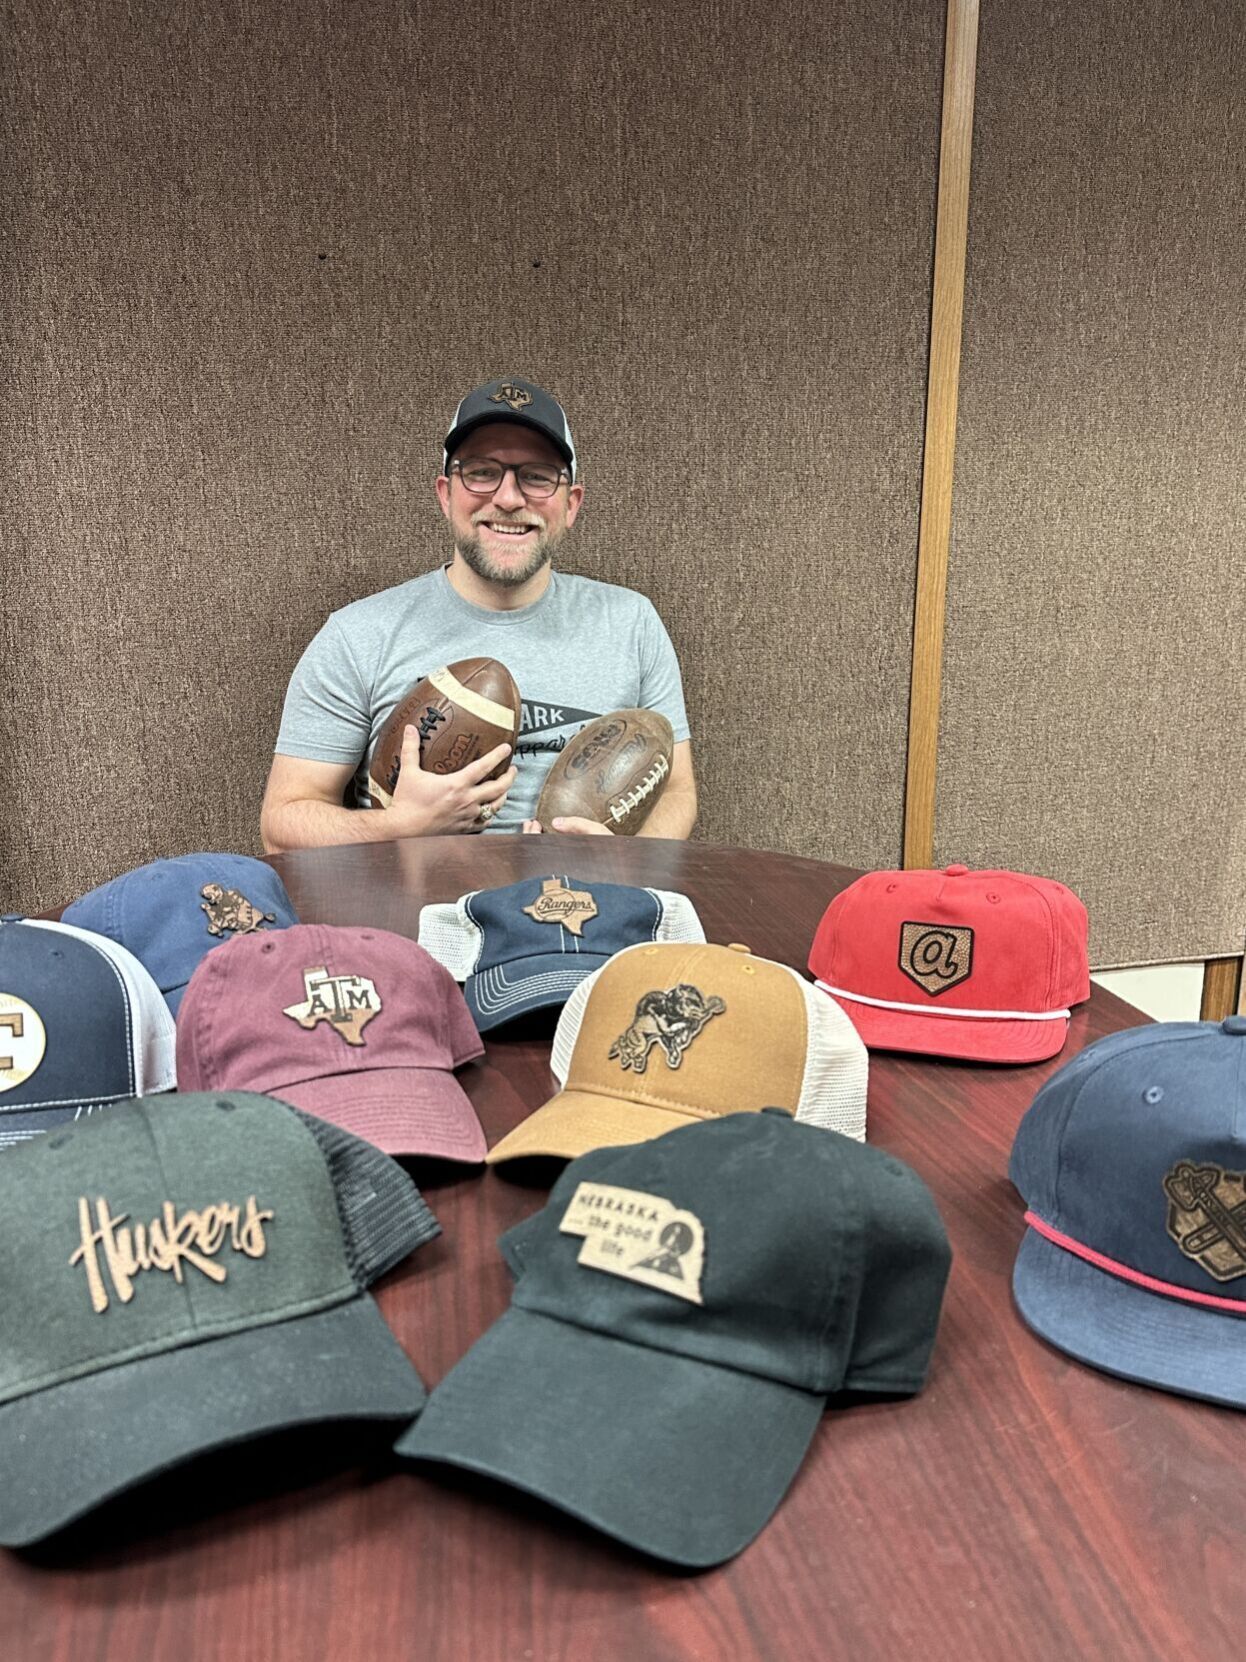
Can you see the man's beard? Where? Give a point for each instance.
(476, 557)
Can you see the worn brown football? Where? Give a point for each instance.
(613, 771)
(461, 711)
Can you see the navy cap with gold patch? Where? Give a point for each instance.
(181, 1274)
(1132, 1163)
(683, 1309)
(522, 403)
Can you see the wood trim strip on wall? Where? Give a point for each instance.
(960, 54)
(1224, 988)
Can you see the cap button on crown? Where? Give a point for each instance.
(736, 946)
(956, 871)
(1235, 1025)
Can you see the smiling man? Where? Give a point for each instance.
(577, 649)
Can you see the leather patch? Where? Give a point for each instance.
(556, 903)
(937, 956)
(639, 1237)
(670, 1018)
(1207, 1217)
(516, 397)
(347, 1002)
(113, 1251)
(23, 1041)
(229, 912)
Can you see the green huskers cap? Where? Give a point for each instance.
(182, 1273)
(682, 1310)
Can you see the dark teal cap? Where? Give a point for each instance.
(683, 1309)
(183, 1273)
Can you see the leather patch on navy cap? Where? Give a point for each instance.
(558, 904)
(516, 397)
(1207, 1217)
(23, 1041)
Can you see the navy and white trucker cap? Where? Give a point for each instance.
(520, 402)
(1132, 1164)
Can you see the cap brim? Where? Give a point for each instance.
(72, 1446)
(1124, 1330)
(501, 417)
(574, 1122)
(682, 1459)
(510, 990)
(398, 1110)
(960, 1038)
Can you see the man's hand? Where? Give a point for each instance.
(570, 823)
(428, 803)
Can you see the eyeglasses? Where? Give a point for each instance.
(482, 476)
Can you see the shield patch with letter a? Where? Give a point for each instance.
(937, 956)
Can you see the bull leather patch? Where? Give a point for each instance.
(347, 1002)
(639, 1237)
(23, 1041)
(937, 956)
(229, 912)
(1207, 1217)
(670, 1018)
(556, 903)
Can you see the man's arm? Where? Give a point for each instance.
(303, 801)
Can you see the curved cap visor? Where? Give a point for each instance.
(72, 1446)
(960, 1038)
(539, 983)
(678, 1458)
(398, 1110)
(1124, 1330)
(575, 1122)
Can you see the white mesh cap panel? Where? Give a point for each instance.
(837, 1066)
(152, 1036)
(568, 1029)
(447, 934)
(679, 920)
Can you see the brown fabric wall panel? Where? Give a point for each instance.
(1091, 724)
(256, 255)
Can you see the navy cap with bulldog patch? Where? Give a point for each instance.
(1132, 1163)
(181, 1274)
(683, 1309)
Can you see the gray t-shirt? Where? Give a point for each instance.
(582, 649)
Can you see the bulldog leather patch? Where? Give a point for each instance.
(347, 1002)
(556, 903)
(639, 1237)
(937, 956)
(229, 912)
(670, 1018)
(1207, 1217)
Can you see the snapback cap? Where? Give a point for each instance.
(182, 1274)
(666, 1034)
(1131, 1161)
(520, 402)
(527, 946)
(978, 965)
(359, 1026)
(82, 1026)
(170, 912)
(680, 1321)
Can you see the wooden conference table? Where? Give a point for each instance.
(1023, 1506)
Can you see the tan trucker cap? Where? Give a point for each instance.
(666, 1034)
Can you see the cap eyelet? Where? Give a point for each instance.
(225, 1105)
(60, 1140)
(1153, 1094)
(748, 969)
(650, 951)
(267, 946)
(891, 888)
(993, 899)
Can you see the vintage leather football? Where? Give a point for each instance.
(461, 712)
(613, 771)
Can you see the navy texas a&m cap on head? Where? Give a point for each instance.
(82, 1026)
(1132, 1163)
(169, 913)
(519, 402)
(685, 1303)
(185, 1273)
(528, 946)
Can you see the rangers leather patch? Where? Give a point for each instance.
(1207, 1217)
(638, 1236)
(671, 1019)
(556, 903)
(23, 1041)
(229, 912)
(516, 397)
(347, 1002)
(937, 956)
